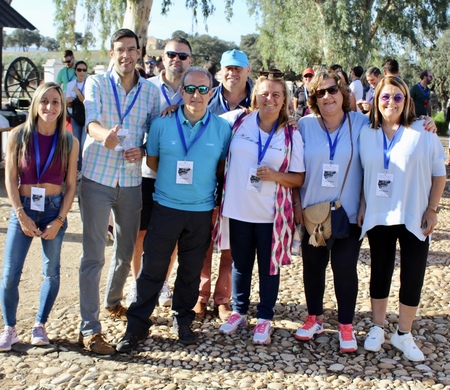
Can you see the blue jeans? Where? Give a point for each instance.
(97, 201)
(246, 240)
(16, 249)
(80, 134)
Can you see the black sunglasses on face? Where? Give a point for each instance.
(173, 54)
(333, 90)
(67, 62)
(150, 62)
(81, 70)
(308, 76)
(202, 89)
(272, 74)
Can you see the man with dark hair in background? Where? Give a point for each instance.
(67, 74)
(421, 94)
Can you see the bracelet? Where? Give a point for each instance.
(296, 203)
(61, 218)
(18, 209)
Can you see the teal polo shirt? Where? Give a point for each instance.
(64, 76)
(165, 142)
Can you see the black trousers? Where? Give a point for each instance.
(192, 231)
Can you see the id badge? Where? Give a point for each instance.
(185, 172)
(254, 183)
(122, 134)
(37, 199)
(384, 184)
(330, 174)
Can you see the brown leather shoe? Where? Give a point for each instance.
(96, 343)
(224, 310)
(117, 313)
(200, 310)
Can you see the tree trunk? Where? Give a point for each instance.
(137, 17)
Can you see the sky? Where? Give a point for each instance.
(40, 13)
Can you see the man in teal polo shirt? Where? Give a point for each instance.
(67, 74)
(187, 150)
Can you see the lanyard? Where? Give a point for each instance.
(116, 96)
(67, 75)
(387, 149)
(306, 93)
(425, 92)
(223, 103)
(169, 103)
(82, 87)
(372, 93)
(262, 152)
(330, 143)
(199, 134)
(38, 154)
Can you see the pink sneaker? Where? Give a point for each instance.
(347, 338)
(309, 329)
(262, 331)
(8, 337)
(235, 322)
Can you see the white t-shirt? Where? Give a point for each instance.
(357, 88)
(241, 203)
(415, 158)
(71, 93)
(317, 153)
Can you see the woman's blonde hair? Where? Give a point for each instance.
(317, 82)
(408, 114)
(283, 116)
(62, 147)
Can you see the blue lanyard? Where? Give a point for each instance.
(333, 144)
(38, 154)
(199, 134)
(169, 103)
(425, 92)
(67, 75)
(82, 87)
(116, 96)
(262, 151)
(372, 93)
(387, 149)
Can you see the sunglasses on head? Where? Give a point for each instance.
(81, 70)
(398, 98)
(150, 62)
(202, 89)
(173, 54)
(272, 74)
(333, 90)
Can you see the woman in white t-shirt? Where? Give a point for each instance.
(404, 177)
(75, 91)
(265, 161)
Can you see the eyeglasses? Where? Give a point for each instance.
(68, 61)
(173, 54)
(333, 90)
(398, 98)
(202, 89)
(81, 70)
(150, 62)
(308, 76)
(275, 73)
(129, 50)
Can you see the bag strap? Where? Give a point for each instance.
(351, 155)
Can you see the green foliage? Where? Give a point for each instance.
(439, 58)
(441, 124)
(23, 39)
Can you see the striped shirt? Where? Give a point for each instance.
(107, 166)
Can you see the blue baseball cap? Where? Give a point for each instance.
(234, 58)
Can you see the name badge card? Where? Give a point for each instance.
(37, 199)
(330, 174)
(384, 184)
(254, 183)
(185, 172)
(122, 134)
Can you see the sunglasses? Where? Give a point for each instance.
(67, 62)
(308, 76)
(398, 98)
(202, 89)
(150, 62)
(333, 90)
(81, 70)
(272, 74)
(173, 54)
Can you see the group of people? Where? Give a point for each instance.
(228, 163)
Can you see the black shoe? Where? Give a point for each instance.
(185, 334)
(130, 342)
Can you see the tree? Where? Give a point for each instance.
(249, 45)
(24, 39)
(439, 57)
(51, 44)
(303, 32)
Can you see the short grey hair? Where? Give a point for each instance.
(196, 69)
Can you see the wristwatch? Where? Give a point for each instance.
(436, 209)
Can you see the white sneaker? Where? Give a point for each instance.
(262, 331)
(8, 337)
(374, 339)
(165, 296)
(309, 329)
(347, 338)
(407, 345)
(39, 335)
(235, 322)
(132, 294)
